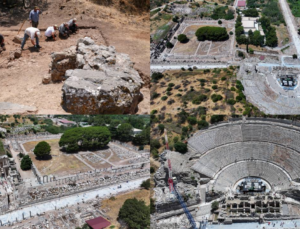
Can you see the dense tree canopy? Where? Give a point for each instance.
(42, 150)
(143, 138)
(88, 138)
(135, 214)
(212, 33)
(250, 12)
(124, 132)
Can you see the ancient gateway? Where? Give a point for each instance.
(250, 166)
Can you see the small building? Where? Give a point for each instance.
(65, 122)
(241, 5)
(98, 223)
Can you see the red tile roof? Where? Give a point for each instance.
(98, 223)
(241, 3)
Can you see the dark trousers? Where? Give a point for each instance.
(73, 28)
(3, 46)
(35, 24)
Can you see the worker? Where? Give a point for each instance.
(72, 25)
(32, 33)
(2, 44)
(34, 16)
(51, 32)
(64, 30)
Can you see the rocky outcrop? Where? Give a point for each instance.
(101, 92)
(98, 80)
(61, 62)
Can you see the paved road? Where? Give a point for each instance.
(186, 66)
(291, 24)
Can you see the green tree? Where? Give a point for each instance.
(143, 138)
(161, 128)
(182, 38)
(42, 150)
(135, 214)
(181, 147)
(124, 132)
(26, 163)
(214, 206)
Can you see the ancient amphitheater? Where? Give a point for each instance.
(262, 152)
(272, 88)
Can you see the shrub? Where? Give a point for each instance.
(219, 22)
(214, 87)
(152, 169)
(215, 98)
(231, 101)
(202, 124)
(146, 184)
(232, 89)
(164, 98)
(157, 76)
(223, 78)
(192, 120)
(169, 45)
(216, 118)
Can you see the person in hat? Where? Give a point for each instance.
(34, 16)
(72, 25)
(64, 30)
(2, 44)
(32, 33)
(51, 32)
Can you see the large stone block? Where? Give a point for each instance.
(98, 92)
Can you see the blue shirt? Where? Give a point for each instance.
(34, 16)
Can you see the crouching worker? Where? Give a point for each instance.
(2, 44)
(72, 25)
(32, 33)
(51, 33)
(64, 30)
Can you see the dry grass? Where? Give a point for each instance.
(282, 34)
(193, 78)
(61, 163)
(115, 205)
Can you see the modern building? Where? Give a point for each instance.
(251, 23)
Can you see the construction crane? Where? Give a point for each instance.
(173, 189)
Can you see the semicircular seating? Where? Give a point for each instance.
(271, 173)
(266, 141)
(214, 160)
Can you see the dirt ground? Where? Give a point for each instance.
(21, 79)
(178, 76)
(61, 164)
(115, 205)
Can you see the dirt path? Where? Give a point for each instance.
(21, 79)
